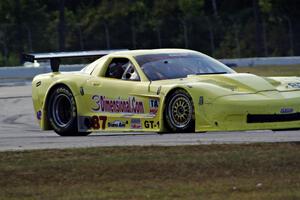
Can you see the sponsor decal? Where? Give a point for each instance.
(151, 124)
(135, 124)
(39, 115)
(294, 85)
(38, 83)
(95, 122)
(153, 105)
(286, 110)
(117, 124)
(130, 105)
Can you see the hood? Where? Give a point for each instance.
(236, 83)
(243, 83)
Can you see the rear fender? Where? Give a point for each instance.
(44, 123)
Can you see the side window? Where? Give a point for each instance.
(122, 68)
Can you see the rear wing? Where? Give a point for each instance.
(57, 56)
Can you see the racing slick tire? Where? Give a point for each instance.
(179, 112)
(62, 112)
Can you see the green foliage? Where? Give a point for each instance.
(271, 70)
(190, 8)
(11, 60)
(265, 5)
(227, 30)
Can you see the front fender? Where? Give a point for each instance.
(202, 95)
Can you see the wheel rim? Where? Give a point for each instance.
(62, 112)
(180, 110)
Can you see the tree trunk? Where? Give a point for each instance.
(211, 36)
(258, 29)
(61, 25)
(185, 33)
(133, 35)
(29, 37)
(291, 35)
(237, 41)
(19, 30)
(159, 37)
(107, 35)
(214, 6)
(5, 52)
(3, 42)
(265, 38)
(81, 43)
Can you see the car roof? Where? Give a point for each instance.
(150, 51)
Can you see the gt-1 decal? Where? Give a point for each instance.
(151, 124)
(130, 105)
(153, 105)
(294, 85)
(117, 124)
(135, 124)
(95, 122)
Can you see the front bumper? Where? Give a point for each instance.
(264, 110)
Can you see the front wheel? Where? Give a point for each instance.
(179, 112)
(62, 113)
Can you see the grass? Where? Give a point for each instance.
(268, 70)
(254, 171)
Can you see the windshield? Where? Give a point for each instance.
(179, 65)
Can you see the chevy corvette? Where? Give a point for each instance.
(162, 90)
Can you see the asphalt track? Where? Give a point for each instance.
(19, 130)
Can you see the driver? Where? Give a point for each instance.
(116, 70)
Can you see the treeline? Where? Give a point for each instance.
(220, 28)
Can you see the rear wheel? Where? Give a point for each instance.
(62, 113)
(179, 112)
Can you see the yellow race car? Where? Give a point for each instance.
(163, 90)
